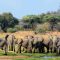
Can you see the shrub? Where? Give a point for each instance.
(11, 30)
(41, 28)
(58, 26)
(15, 29)
(19, 27)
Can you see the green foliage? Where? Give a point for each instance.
(41, 28)
(58, 26)
(7, 20)
(51, 17)
(11, 30)
(15, 29)
(31, 19)
(19, 27)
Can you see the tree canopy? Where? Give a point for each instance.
(51, 17)
(7, 20)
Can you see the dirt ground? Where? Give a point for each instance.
(11, 57)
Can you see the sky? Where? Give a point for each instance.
(20, 8)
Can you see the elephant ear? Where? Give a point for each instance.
(6, 36)
(21, 41)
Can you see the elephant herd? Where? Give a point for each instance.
(31, 44)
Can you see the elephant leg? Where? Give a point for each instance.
(58, 51)
(2, 48)
(14, 48)
(47, 49)
(25, 50)
(43, 50)
(40, 50)
(11, 47)
(6, 49)
(33, 50)
(30, 50)
(51, 50)
(55, 50)
(20, 49)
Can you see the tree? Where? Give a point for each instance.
(32, 20)
(7, 20)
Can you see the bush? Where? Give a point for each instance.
(19, 27)
(15, 29)
(11, 30)
(58, 26)
(41, 28)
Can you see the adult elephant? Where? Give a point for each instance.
(20, 41)
(11, 42)
(38, 44)
(23, 43)
(26, 43)
(2, 42)
(48, 43)
(30, 43)
(57, 45)
(6, 44)
(55, 40)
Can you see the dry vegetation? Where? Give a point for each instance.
(22, 34)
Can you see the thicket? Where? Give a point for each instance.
(49, 21)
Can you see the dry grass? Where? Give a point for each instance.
(22, 34)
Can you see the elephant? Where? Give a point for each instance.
(53, 44)
(6, 44)
(38, 44)
(20, 41)
(30, 43)
(48, 44)
(2, 43)
(55, 40)
(57, 44)
(23, 43)
(26, 43)
(34, 43)
(11, 42)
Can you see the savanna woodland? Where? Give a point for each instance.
(44, 22)
(30, 37)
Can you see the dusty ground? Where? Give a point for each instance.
(11, 57)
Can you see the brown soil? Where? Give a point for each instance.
(11, 57)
